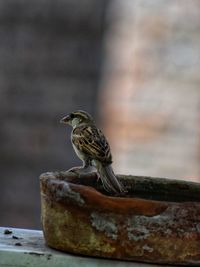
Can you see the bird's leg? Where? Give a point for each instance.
(98, 176)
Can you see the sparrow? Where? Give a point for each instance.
(92, 148)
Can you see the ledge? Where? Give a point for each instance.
(22, 248)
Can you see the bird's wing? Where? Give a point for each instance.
(91, 141)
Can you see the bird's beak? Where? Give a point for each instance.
(65, 120)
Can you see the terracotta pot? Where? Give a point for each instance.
(158, 220)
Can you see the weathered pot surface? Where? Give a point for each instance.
(158, 220)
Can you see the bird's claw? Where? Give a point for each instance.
(75, 169)
(81, 169)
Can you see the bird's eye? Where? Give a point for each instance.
(72, 116)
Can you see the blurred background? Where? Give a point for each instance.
(133, 64)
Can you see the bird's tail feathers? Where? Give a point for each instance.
(109, 180)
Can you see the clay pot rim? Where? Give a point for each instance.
(65, 186)
(164, 187)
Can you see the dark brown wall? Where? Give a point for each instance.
(50, 60)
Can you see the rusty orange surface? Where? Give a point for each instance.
(79, 219)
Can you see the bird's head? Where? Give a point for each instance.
(76, 118)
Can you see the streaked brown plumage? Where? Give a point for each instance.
(92, 148)
(92, 142)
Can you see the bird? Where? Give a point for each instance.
(93, 149)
